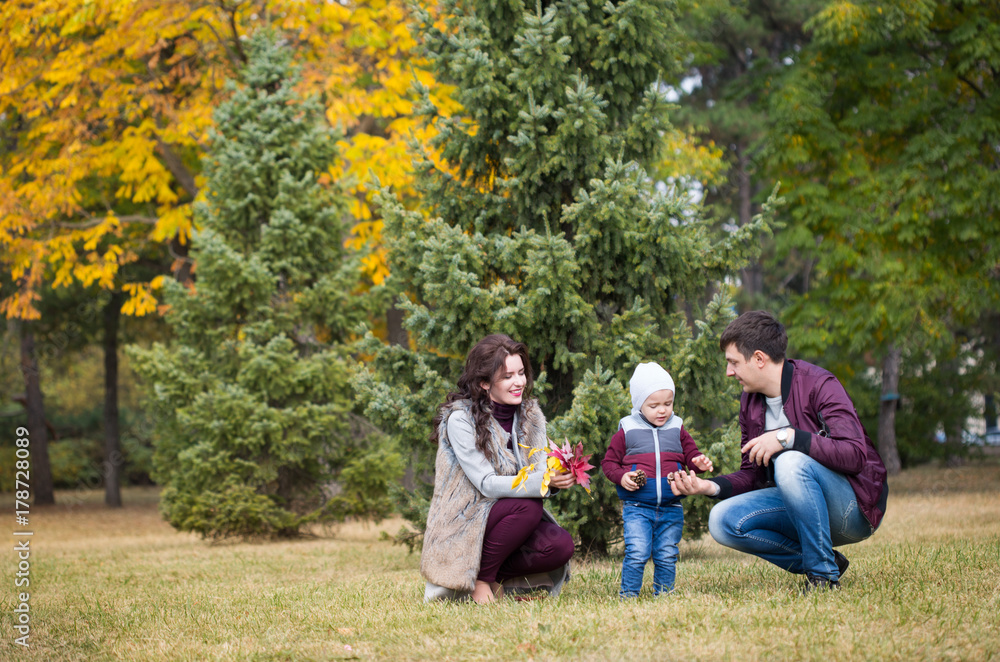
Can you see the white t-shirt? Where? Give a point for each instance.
(775, 418)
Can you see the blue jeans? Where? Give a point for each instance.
(650, 532)
(796, 524)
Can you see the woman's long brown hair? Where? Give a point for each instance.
(485, 361)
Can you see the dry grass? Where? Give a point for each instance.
(110, 585)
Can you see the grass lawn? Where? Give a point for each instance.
(122, 585)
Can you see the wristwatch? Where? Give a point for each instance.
(784, 438)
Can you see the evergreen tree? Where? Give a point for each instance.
(540, 221)
(251, 399)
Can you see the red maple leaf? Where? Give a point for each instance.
(574, 461)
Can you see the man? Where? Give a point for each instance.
(810, 477)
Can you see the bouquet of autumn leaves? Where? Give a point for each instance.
(558, 458)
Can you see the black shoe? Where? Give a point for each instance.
(815, 583)
(842, 563)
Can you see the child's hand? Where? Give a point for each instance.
(702, 462)
(628, 481)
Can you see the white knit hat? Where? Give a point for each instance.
(647, 379)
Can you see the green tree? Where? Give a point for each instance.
(736, 48)
(539, 221)
(885, 131)
(251, 399)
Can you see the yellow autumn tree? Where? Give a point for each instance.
(106, 104)
(103, 110)
(363, 56)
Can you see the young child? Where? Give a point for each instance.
(651, 440)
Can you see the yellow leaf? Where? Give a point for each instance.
(141, 302)
(546, 478)
(522, 476)
(535, 450)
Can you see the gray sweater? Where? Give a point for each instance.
(479, 470)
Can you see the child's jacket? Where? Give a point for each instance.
(656, 450)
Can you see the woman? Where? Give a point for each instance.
(480, 530)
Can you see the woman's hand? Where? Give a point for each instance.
(562, 480)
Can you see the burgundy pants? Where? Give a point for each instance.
(519, 542)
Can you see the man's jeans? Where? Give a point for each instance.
(796, 524)
(650, 532)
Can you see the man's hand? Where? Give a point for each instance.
(702, 462)
(689, 483)
(760, 449)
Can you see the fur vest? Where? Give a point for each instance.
(456, 519)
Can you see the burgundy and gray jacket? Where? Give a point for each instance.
(813, 399)
(638, 444)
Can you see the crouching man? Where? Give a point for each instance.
(810, 478)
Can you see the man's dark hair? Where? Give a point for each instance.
(755, 330)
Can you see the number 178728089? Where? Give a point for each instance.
(22, 477)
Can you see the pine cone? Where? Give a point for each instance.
(639, 478)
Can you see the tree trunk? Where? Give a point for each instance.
(182, 263)
(752, 275)
(113, 459)
(887, 413)
(953, 445)
(395, 332)
(41, 470)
